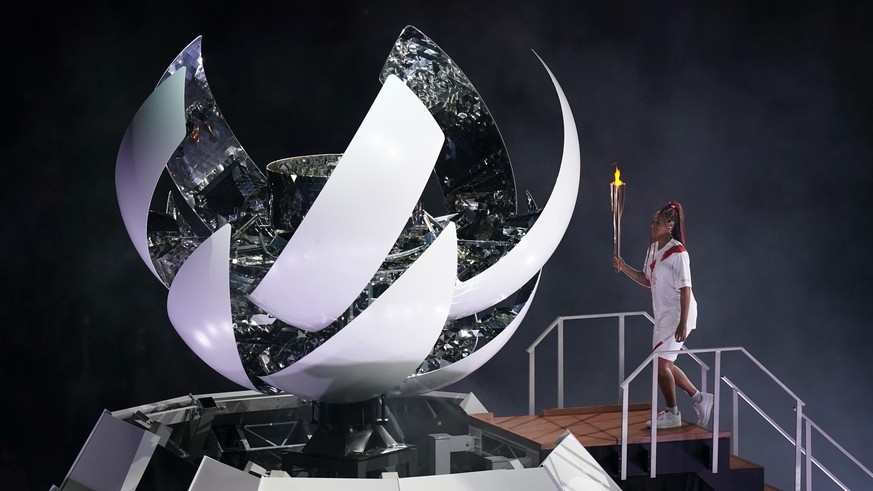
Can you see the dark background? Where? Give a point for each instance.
(757, 116)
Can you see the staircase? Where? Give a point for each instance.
(683, 454)
(672, 462)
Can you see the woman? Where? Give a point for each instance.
(667, 272)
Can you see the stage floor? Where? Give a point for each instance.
(593, 426)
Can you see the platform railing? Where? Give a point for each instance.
(810, 460)
(652, 360)
(558, 324)
(803, 424)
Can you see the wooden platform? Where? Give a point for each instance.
(683, 458)
(593, 426)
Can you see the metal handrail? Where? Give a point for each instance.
(559, 323)
(806, 451)
(802, 421)
(653, 360)
(810, 425)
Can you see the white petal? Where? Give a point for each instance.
(528, 256)
(199, 307)
(340, 245)
(388, 341)
(152, 137)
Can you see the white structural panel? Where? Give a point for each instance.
(199, 307)
(504, 480)
(387, 341)
(337, 248)
(327, 484)
(528, 256)
(212, 475)
(573, 467)
(436, 379)
(115, 456)
(568, 470)
(149, 142)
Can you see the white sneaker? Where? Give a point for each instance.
(666, 419)
(703, 409)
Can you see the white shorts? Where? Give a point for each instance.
(662, 340)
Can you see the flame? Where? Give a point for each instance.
(617, 182)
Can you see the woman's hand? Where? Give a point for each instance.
(681, 332)
(619, 263)
(630, 272)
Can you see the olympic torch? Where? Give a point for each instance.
(616, 194)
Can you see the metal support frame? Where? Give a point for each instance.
(620, 355)
(808, 455)
(531, 385)
(735, 428)
(798, 437)
(716, 411)
(653, 446)
(560, 363)
(443, 445)
(482, 445)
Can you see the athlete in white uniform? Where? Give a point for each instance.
(667, 271)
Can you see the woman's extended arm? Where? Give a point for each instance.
(633, 274)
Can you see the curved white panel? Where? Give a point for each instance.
(149, 142)
(388, 341)
(336, 249)
(573, 468)
(199, 307)
(528, 256)
(213, 475)
(536, 478)
(419, 384)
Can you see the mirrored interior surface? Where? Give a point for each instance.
(211, 172)
(216, 183)
(461, 337)
(473, 169)
(294, 184)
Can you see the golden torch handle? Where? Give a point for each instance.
(617, 195)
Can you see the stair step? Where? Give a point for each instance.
(737, 462)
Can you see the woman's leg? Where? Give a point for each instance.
(682, 381)
(669, 377)
(666, 381)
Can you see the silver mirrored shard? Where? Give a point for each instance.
(215, 180)
(474, 169)
(461, 337)
(294, 184)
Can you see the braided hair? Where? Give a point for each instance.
(672, 212)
